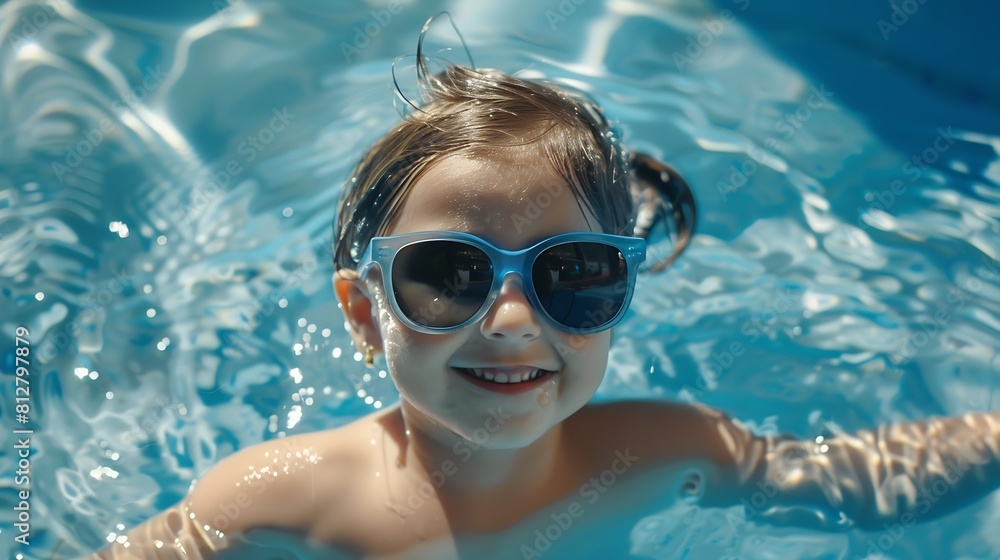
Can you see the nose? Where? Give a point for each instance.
(511, 317)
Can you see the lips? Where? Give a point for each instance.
(506, 379)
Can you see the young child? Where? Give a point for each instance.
(495, 328)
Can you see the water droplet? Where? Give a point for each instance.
(542, 398)
(119, 227)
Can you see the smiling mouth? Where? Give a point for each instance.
(506, 380)
(505, 375)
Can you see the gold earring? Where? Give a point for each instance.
(369, 355)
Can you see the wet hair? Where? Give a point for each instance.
(479, 113)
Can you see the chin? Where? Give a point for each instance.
(517, 431)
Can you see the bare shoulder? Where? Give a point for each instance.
(284, 483)
(664, 431)
(281, 484)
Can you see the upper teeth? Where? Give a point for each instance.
(491, 374)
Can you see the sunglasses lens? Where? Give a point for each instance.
(581, 285)
(441, 283)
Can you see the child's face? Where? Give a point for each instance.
(482, 197)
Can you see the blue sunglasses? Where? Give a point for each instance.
(441, 281)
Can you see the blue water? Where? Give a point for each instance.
(172, 322)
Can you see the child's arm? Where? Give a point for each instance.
(905, 473)
(170, 535)
(268, 485)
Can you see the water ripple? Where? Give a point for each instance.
(816, 284)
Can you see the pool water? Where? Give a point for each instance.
(169, 172)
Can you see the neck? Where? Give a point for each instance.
(464, 470)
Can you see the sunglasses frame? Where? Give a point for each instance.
(383, 251)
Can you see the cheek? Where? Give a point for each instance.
(408, 352)
(586, 359)
(402, 346)
(403, 357)
(395, 335)
(591, 351)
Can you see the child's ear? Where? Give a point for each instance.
(357, 305)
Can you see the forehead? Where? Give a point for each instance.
(511, 200)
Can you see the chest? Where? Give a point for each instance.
(600, 508)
